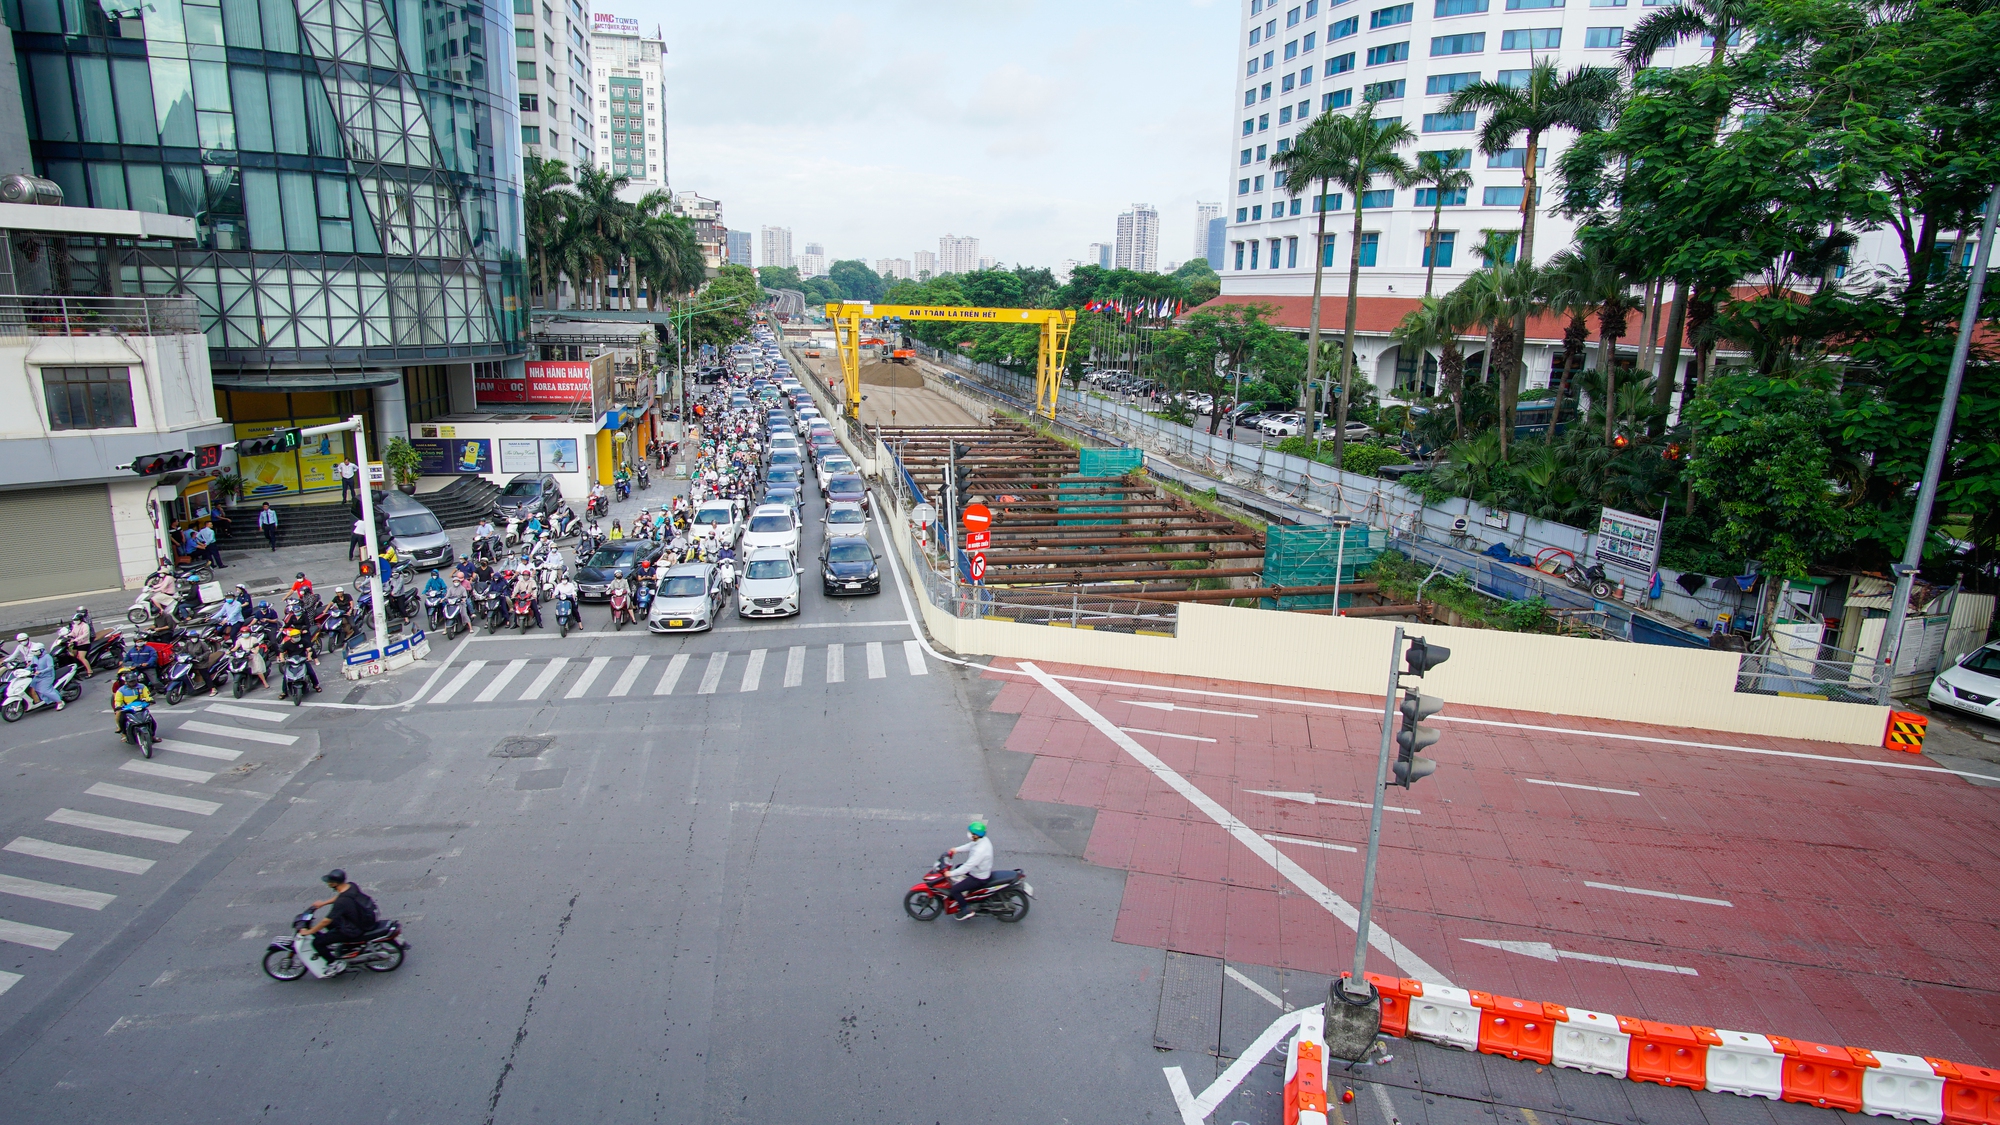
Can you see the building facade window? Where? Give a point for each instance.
(1518, 79)
(1371, 200)
(1289, 81)
(88, 398)
(1391, 16)
(1328, 202)
(1388, 53)
(1603, 37)
(1343, 28)
(1532, 39)
(1517, 158)
(427, 391)
(531, 134)
(1443, 248)
(1369, 243)
(1254, 244)
(1309, 44)
(1291, 50)
(1257, 184)
(1450, 157)
(1450, 122)
(1428, 197)
(530, 103)
(1326, 251)
(1284, 118)
(1458, 8)
(1275, 245)
(1503, 196)
(1339, 99)
(1242, 215)
(1244, 157)
(1383, 91)
(1450, 83)
(1243, 187)
(1292, 18)
(1469, 44)
(1239, 255)
(1340, 64)
(1257, 213)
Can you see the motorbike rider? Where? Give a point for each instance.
(621, 589)
(302, 586)
(75, 639)
(252, 645)
(229, 615)
(163, 590)
(434, 585)
(566, 588)
(42, 666)
(131, 686)
(974, 871)
(294, 643)
(351, 917)
(264, 615)
(525, 587)
(597, 500)
(617, 532)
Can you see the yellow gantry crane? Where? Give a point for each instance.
(846, 318)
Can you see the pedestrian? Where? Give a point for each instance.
(205, 545)
(348, 471)
(356, 538)
(267, 522)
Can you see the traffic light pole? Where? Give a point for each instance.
(380, 612)
(1356, 986)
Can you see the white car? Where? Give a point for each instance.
(716, 519)
(772, 525)
(1972, 685)
(830, 465)
(785, 440)
(844, 520)
(769, 586)
(1281, 425)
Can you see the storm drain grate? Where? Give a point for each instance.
(522, 746)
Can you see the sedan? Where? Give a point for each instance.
(769, 587)
(847, 488)
(1281, 425)
(1972, 685)
(825, 446)
(845, 520)
(786, 459)
(832, 465)
(849, 566)
(618, 558)
(787, 476)
(772, 525)
(786, 494)
(688, 599)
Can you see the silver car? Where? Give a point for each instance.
(769, 586)
(844, 521)
(687, 599)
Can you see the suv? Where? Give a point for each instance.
(527, 495)
(414, 530)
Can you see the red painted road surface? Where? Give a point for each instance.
(1862, 900)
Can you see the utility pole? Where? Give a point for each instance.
(1920, 521)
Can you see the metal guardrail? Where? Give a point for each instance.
(22, 315)
(1048, 606)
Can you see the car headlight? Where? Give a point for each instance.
(874, 573)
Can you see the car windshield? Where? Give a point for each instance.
(850, 550)
(712, 516)
(522, 488)
(844, 483)
(769, 568)
(787, 473)
(1986, 662)
(682, 586)
(784, 457)
(838, 463)
(614, 556)
(776, 521)
(846, 515)
(416, 523)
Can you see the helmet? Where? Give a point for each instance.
(300, 574)
(977, 828)
(80, 614)
(128, 675)
(334, 876)
(20, 636)
(434, 572)
(340, 589)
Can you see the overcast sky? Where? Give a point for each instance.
(876, 127)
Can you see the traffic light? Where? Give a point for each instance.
(153, 464)
(1414, 736)
(961, 471)
(277, 441)
(1423, 657)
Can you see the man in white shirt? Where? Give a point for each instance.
(357, 538)
(975, 869)
(349, 472)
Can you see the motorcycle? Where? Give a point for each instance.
(645, 478)
(456, 618)
(564, 523)
(565, 614)
(296, 682)
(511, 536)
(335, 628)
(137, 725)
(598, 505)
(434, 608)
(624, 485)
(552, 572)
(187, 602)
(1006, 897)
(380, 950)
(524, 610)
(16, 701)
(1590, 578)
(642, 600)
(178, 678)
(239, 671)
(494, 608)
(621, 609)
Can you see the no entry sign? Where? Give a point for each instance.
(977, 517)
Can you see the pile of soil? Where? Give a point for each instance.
(884, 374)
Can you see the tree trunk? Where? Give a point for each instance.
(1573, 340)
(1607, 364)
(1451, 368)
(1437, 217)
(1649, 323)
(1670, 357)
(1347, 342)
(1509, 383)
(1312, 332)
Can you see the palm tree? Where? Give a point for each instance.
(1349, 151)
(603, 222)
(1719, 19)
(669, 257)
(545, 204)
(1589, 280)
(1444, 174)
(1501, 297)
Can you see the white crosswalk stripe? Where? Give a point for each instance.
(53, 892)
(795, 665)
(242, 712)
(836, 663)
(876, 669)
(500, 682)
(9, 980)
(463, 678)
(197, 750)
(913, 655)
(157, 800)
(712, 678)
(41, 937)
(589, 677)
(86, 857)
(137, 829)
(754, 670)
(175, 773)
(621, 677)
(547, 678)
(238, 732)
(630, 675)
(672, 675)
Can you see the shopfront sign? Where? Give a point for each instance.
(546, 381)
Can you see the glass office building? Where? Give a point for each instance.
(353, 168)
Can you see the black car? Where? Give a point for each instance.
(848, 566)
(847, 488)
(785, 475)
(526, 495)
(620, 556)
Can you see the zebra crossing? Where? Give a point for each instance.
(541, 679)
(103, 833)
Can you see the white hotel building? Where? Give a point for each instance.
(1299, 58)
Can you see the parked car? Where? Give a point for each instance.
(526, 495)
(1972, 685)
(688, 599)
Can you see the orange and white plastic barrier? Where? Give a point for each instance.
(1746, 1063)
(1445, 1014)
(1904, 1087)
(1305, 1072)
(1592, 1041)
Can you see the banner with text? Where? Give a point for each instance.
(547, 381)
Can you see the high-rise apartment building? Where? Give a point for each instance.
(924, 264)
(777, 247)
(1204, 213)
(812, 263)
(893, 268)
(957, 255)
(1218, 234)
(552, 68)
(1099, 255)
(1138, 239)
(630, 102)
(989, 263)
(716, 239)
(739, 248)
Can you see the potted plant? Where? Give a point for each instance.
(402, 459)
(228, 487)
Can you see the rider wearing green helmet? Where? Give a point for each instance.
(975, 868)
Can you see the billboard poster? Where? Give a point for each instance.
(1629, 542)
(445, 456)
(520, 455)
(546, 381)
(311, 467)
(559, 455)
(615, 25)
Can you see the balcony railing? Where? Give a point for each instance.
(98, 316)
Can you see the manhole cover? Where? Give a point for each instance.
(522, 746)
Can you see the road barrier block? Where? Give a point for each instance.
(1900, 1086)
(1745, 1063)
(1820, 1074)
(1971, 1093)
(1905, 732)
(1592, 1041)
(1518, 1029)
(1668, 1053)
(1446, 1015)
(1305, 1089)
(1395, 993)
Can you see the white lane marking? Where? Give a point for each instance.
(836, 663)
(175, 773)
(1194, 1109)
(157, 800)
(846, 812)
(246, 712)
(630, 676)
(672, 675)
(41, 937)
(762, 627)
(464, 677)
(589, 677)
(83, 857)
(492, 691)
(1316, 799)
(1382, 1102)
(1256, 989)
(1398, 954)
(197, 750)
(245, 735)
(1307, 843)
(753, 670)
(876, 669)
(1166, 734)
(1573, 785)
(54, 892)
(1543, 951)
(547, 677)
(795, 665)
(711, 677)
(1658, 894)
(119, 826)
(1178, 707)
(914, 657)
(431, 680)
(179, 1019)
(8, 980)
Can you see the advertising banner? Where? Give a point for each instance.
(559, 455)
(443, 456)
(311, 467)
(520, 455)
(1628, 542)
(546, 381)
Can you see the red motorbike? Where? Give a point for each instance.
(525, 611)
(1006, 897)
(621, 609)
